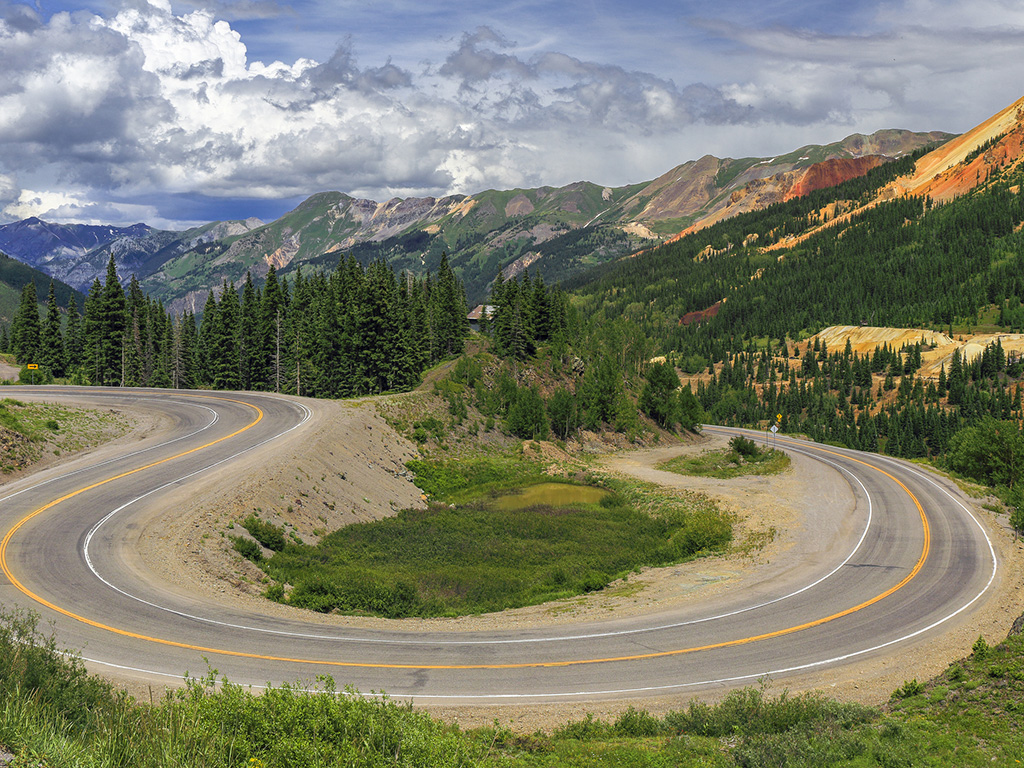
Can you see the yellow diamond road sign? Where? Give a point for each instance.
(778, 417)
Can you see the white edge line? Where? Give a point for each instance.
(513, 641)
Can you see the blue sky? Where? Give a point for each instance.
(176, 112)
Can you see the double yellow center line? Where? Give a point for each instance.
(4, 544)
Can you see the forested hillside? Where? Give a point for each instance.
(355, 331)
(14, 276)
(736, 307)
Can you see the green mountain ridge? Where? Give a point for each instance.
(14, 276)
(559, 231)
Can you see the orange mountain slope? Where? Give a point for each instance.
(951, 169)
(954, 169)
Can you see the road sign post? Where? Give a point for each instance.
(33, 367)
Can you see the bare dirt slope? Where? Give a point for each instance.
(8, 372)
(347, 466)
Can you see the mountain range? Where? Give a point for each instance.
(558, 231)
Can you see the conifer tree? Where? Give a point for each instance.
(73, 352)
(250, 343)
(112, 324)
(223, 339)
(25, 328)
(92, 341)
(448, 312)
(273, 303)
(51, 348)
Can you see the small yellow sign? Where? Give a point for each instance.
(32, 367)
(778, 417)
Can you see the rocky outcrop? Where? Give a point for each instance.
(700, 316)
(519, 205)
(828, 174)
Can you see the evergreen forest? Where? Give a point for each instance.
(356, 331)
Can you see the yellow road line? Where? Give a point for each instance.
(371, 665)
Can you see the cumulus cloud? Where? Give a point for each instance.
(147, 101)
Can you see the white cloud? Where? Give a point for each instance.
(146, 102)
(76, 206)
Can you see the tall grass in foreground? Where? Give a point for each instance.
(53, 714)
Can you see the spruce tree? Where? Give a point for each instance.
(25, 328)
(73, 337)
(250, 343)
(113, 323)
(51, 351)
(448, 312)
(92, 340)
(273, 306)
(223, 337)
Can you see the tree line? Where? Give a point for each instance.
(356, 331)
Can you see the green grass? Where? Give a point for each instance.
(39, 428)
(474, 557)
(726, 464)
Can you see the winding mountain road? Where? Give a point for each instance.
(899, 559)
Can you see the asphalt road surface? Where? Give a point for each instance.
(904, 558)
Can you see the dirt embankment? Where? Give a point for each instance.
(346, 466)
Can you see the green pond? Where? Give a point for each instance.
(551, 494)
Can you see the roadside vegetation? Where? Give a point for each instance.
(31, 431)
(472, 552)
(55, 714)
(744, 457)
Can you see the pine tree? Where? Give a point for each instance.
(51, 351)
(112, 322)
(92, 347)
(250, 345)
(25, 328)
(223, 338)
(273, 304)
(73, 351)
(132, 373)
(448, 313)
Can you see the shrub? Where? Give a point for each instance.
(527, 418)
(980, 648)
(908, 689)
(32, 664)
(745, 447)
(275, 592)
(247, 548)
(267, 534)
(562, 412)
(582, 730)
(593, 582)
(750, 712)
(638, 723)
